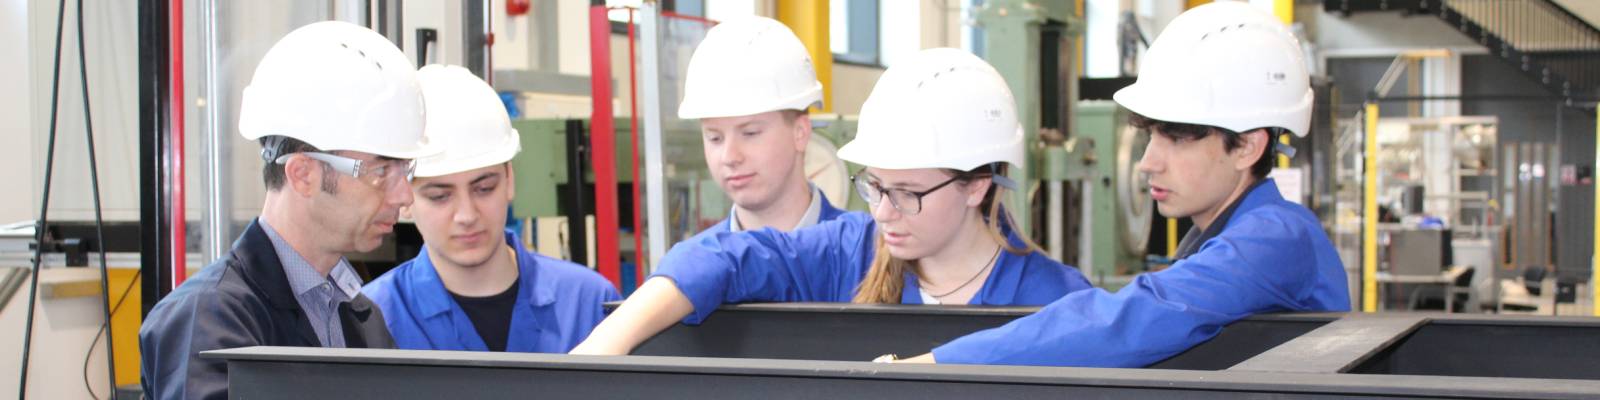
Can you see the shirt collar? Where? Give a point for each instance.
(811, 217)
(302, 276)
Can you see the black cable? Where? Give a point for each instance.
(44, 206)
(103, 329)
(99, 222)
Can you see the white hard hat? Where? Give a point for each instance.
(945, 108)
(1224, 64)
(747, 66)
(337, 86)
(466, 120)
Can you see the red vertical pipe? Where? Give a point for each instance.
(180, 269)
(602, 146)
(633, 132)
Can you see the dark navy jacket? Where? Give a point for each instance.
(240, 300)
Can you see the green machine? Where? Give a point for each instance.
(1098, 210)
(1030, 42)
(542, 164)
(542, 182)
(1081, 178)
(1119, 209)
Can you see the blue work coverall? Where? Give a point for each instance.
(825, 263)
(1271, 256)
(557, 304)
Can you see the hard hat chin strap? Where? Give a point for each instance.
(1280, 147)
(1002, 180)
(1285, 150)
(271, 147)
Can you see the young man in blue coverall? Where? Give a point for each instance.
(475, 286)
(1215, 91)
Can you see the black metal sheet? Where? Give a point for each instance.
(824, 331)
(1541, 347)
(312, 373)
(860, 332)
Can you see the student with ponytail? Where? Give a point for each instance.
(936, 137)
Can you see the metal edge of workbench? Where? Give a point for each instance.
(1232, 381)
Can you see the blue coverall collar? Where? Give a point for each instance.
(438, 301)
(1007, 272)
(1196, 237)
(1265, 192)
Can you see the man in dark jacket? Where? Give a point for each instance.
(338, 112)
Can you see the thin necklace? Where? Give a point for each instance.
(974, 277)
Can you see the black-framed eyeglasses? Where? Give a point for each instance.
(906, 201)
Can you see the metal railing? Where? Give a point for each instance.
(1546, 41)
(1561, 49)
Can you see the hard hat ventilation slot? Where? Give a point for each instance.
(755, 38)
(1235, 27)
(363, 54)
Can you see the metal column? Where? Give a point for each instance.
(602, 146)
(654, 170)
(218, 217)
(809, 20)
(155, 245)
(1369, 210)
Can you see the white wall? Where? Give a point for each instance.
(112, 49)
(63, 330)
(443, 16)
(16, 104)
(1588, 10)
(851, 85)
(513, 38)
(572, 23)
(941, 23)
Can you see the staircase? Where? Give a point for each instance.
(1541, 38)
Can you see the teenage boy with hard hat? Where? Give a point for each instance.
(1216, 90)
(475, 286)
(749, 83)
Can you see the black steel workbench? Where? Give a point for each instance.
(814, 351)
